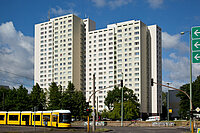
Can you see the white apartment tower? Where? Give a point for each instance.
(60, 51)
(69, 48)
(156, 66)
(130, 51)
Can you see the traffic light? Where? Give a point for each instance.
(87, 105)
(86, 110)
(152, 82)
(191, 114)
(121, 83)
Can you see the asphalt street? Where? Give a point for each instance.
(31, 129)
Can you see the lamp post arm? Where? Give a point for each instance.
(177, 90)
(100, 90)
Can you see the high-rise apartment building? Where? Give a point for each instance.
(60, 51)
(130, 51)
(69, 48)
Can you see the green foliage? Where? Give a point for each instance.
(131, 110)
(113, 102)
(22, 100)
(38, 97)
(184, 100)
(73, 100)
(3, 94)
(10, 100)
(115, 114)
(105, 114)
(55, 96)
(15, 99)
(19, 99)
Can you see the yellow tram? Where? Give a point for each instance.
(55, 118)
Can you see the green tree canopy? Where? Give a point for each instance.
(55, 96)
(184, 100)
(23, 100)
(38, 97)
(116, 94)
(73, 100)
(131, 106)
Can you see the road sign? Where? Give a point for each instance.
(196, 32)
(93, 113)
(197, 109)
(196, 57)
(198, 130)
(196, 45)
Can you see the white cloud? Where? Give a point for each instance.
(173, 55)
(16, 55)
(178, 69)
(111, 3)
(99, 3)
(155, 3)
(174, 42)
(60, 11)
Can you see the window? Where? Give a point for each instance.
(136, 43)
(136, 53)
(136, 33)
(136, 74)
(13, 117)
(136, 79)
(136, 27)
(136, 38)
(119, 30)
(1, 117)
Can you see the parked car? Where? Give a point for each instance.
(153, 118)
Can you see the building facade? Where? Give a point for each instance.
(130, 51)
(69, 48)
(60, 51)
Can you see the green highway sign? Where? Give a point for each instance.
(196, 32)
(196, 57)
(196, 45)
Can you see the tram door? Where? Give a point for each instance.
(26, 119)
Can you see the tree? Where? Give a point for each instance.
(184, 100)
(22, 101)
(11, 100)
(73, 100)
(38, 97)
(113, 102)
(3, 94)
(105, 114)
(55, 96)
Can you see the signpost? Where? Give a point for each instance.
(196, 44)
(196, 32)
(196, 57)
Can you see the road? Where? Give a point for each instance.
(147, 130)
(30, 129)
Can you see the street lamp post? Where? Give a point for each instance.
(182, 33)
(168, 104)
(122, 101)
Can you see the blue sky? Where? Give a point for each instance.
(18, 17)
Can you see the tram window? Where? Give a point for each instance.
(13, 117)
(55, 118)
(37, 117)
(1, 117)
(24, 117)
(64, 117)
(46, 117)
